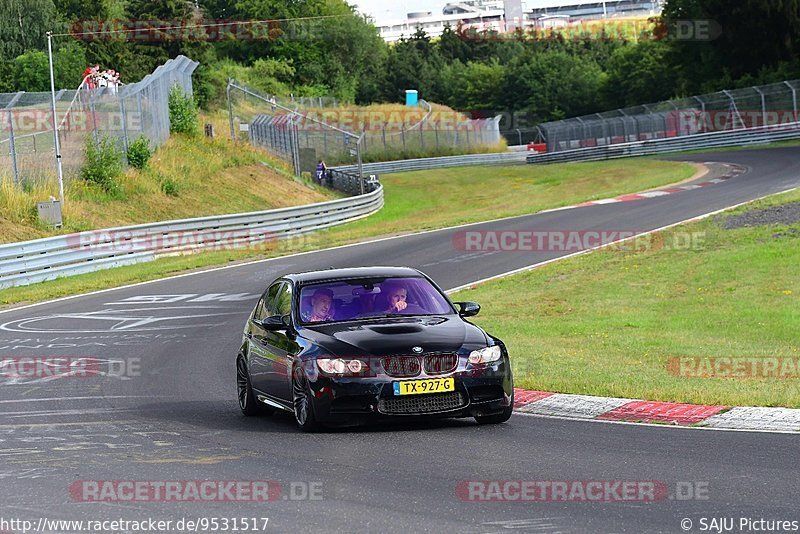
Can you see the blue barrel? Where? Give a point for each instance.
(412, 98)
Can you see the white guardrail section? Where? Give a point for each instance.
(733, 138)
(469, 160)
(54, 257)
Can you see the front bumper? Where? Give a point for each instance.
(478, 391)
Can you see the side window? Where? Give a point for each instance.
(283, 304)
(267, 305)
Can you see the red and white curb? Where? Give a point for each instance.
(638, 411)
(732, 172)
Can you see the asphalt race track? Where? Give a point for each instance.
(163, 408)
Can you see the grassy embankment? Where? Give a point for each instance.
(185, 178)
(609, 323)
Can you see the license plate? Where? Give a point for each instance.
(417, 387)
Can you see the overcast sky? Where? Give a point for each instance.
(382, 10)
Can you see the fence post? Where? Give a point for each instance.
(421, 138)
(230, 108)
(124, 119)
(94, 118)
(436, 132)
(295, 147)
(383, 134)
(763, 106)
(794, 100)
(12, 147)
(360, 164)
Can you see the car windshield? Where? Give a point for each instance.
(347, 300)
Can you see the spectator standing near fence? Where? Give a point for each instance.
(321, 170)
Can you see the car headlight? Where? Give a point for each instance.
(487, 355)
(338, 366)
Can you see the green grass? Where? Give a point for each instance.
(607, 323)
(185, 178)
(414, 202)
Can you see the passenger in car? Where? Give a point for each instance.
(321, 307)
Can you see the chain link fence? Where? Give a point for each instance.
(347, 135)
(766, 106)
(125, 113)
(297, 137)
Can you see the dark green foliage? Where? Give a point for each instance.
(103, 164)
(542, 75)
(139, 153)
(169, 186)
(182, 113)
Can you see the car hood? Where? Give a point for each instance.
(396, 336)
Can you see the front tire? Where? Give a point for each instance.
(248, 404)
(498, 418)
(302, 402)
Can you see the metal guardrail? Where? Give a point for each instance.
(54, 257)
(733, 138)
(502, 158)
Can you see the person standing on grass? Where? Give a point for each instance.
(321, 170)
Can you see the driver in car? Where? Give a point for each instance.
(397, 295)
(321, 307)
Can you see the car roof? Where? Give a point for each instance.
(352, 272)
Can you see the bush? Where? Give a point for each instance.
(103, 164)
(182, 112)
(169, 187)
(139, 153)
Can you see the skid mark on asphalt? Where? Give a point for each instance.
(199, 460)
(538, 524)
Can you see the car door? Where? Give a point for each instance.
(260, 361)
(281, 346)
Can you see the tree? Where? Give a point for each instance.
(69, 64)
(553, 85)
(755, 34)
(451, 46)
(639, 74)
(32, 72)
(84, 9)
(24, 24)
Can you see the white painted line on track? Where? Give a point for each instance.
(80, 398)
(652, 425)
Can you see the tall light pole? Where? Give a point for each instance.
(57, 145)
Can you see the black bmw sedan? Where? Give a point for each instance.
(346, 346)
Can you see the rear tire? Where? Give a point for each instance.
(302, 404)
(248, 404)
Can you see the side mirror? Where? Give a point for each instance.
(468, 309)
(275, 323)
